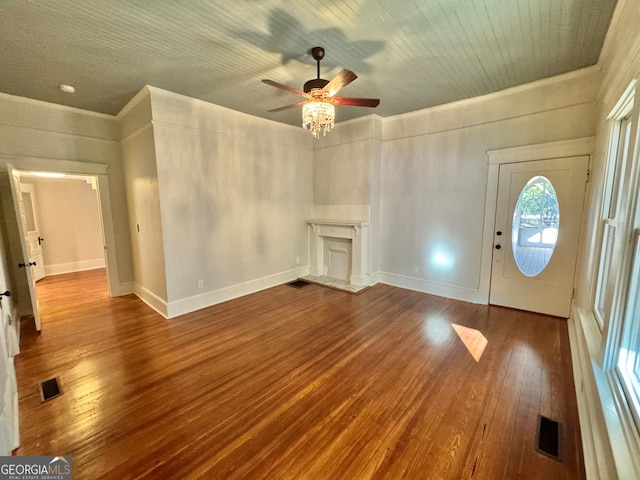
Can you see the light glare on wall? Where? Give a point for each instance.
(442, 258)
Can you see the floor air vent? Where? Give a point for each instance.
(50, 389)
(548, 437)
(298, 283)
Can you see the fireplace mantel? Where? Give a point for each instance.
(355, 230)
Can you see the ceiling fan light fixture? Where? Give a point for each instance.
(318, 111)
(318, 115)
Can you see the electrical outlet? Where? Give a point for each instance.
(200, 284)
(415, 269)
(297, 260)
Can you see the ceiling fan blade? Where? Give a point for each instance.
(337, 83)
(284, 87)
(288, 107)
(356, 102)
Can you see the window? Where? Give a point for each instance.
(617, 294)
(610, 221)
(535, 226)
(629, 357)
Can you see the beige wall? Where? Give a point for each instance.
(234, 195)
(69, 222)
(216, 198)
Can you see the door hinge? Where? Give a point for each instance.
(573, 293)
(588, 175)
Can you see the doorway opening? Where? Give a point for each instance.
(94, 175)
(62, 226)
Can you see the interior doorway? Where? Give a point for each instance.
(24, 283)
(65, 228)
(61, 223)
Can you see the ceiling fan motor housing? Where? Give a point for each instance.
(315, 83)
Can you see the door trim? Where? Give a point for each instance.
(527, 153)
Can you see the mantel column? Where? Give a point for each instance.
(316, 253)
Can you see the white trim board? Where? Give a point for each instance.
(426, 286)
(197, 302)
(207, 299)
(54, 165)
(151, 299)
(542, 151)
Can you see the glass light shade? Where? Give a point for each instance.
(318, 116)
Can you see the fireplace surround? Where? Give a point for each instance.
(357, 231)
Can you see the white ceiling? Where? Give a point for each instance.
(411, 54)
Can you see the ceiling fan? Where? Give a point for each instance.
(318, 112)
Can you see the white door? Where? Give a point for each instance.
(32, 231)
(537, 227)
(27, 263)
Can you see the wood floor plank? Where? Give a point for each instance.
(307, 383)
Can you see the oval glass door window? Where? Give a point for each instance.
(536, 220)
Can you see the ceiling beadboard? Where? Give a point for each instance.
(411, 54)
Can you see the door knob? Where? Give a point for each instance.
(40, 240)
(30, 264)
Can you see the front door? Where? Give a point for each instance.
(537, 227)
(27, 263)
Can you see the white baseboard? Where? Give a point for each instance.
(197, 302)
(70, 267)
(151, 299)
(425, 286)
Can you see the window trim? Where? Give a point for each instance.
(610, 331)
(615, 333)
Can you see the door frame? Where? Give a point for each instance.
(100, 172)
(528, 153)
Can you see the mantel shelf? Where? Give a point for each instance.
(347, 223)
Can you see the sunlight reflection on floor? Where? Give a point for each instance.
(472, 339)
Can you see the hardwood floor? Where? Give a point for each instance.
(288, 383)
